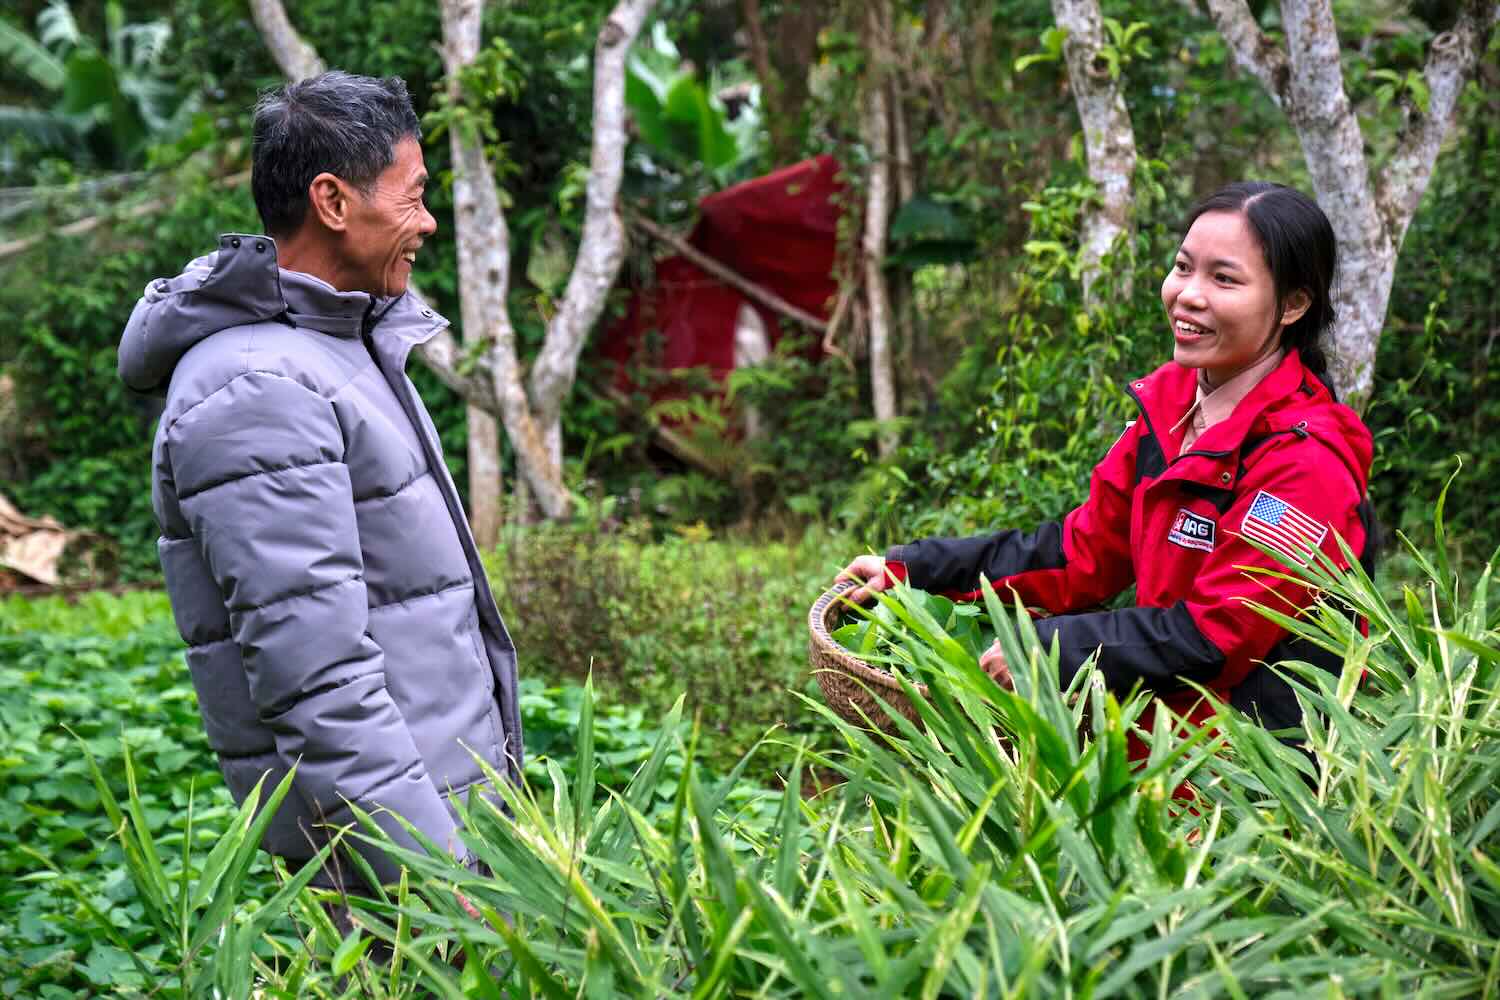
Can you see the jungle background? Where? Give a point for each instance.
(123, 155)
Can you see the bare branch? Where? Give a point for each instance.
(444, 355)
(19, 246)
(760, 53)
(602, 247)
(672, 441)
(729, 276)
(1450, 63)
(1254, 51)
(298, 60)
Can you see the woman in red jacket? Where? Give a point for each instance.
(1239, 439)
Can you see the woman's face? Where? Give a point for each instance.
(1221, 299)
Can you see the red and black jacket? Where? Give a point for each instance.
(1288, 463)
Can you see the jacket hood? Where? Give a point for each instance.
(1334, 425)
(238, 284)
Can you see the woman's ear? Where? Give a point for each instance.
(1295, 307)
(328, 200)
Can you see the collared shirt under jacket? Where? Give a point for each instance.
(318, 561)
(1288, 468)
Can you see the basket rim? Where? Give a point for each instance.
(830, 604)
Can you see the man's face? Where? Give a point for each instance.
(386, 227)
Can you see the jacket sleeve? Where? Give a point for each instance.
(1079, 562)
(262, 483)
(1212, 636)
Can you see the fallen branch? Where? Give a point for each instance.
(764, 296)
(674, 443)
(25, 243)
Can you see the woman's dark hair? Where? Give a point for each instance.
(1301, 253)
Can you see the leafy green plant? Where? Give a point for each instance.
(650, 620)
(1013, 840)
(879, 634)
(677, 118)
(1040, 839)
(120, 850)
(112, 97)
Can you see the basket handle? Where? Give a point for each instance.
(833, 595)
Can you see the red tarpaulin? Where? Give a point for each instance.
(778, 231)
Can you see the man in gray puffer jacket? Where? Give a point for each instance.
(319, 564)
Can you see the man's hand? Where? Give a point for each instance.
(993, 663)
(869, 570)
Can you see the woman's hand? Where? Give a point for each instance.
(993, 663)
(869, 570)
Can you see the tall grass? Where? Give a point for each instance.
(1007, 846)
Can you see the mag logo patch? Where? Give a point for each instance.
(1192, 531)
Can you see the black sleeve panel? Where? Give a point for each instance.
(945, 564)
(1159, 647)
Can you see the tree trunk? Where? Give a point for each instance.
(296, 59)
(532, 423)
(1108, 137)
(877, 220)
(1369, 217)
(905, 176)
(781, 60)
(601, 250)
(483, 240)
(485, 486)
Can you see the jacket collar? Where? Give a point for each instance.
(396, 324)
(400, 324)
(1165, 394)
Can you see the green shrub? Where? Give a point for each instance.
(104, 676)
(1008, 844)
(717, 620)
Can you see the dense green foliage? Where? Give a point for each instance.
(1009, 387)
(1013, 842)
(83, 454)
(707, 618)
(105, 677)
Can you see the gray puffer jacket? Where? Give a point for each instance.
(318, 561)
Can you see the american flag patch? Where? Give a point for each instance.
(1278, 525)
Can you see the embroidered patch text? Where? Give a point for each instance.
(1192, 531)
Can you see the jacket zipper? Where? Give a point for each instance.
(1130, 391)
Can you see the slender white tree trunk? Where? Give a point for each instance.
(1108, 136)
(1369, 215)
(904, 172)
(482, 300)
(877, 220)
(484, 279)
(602, 248)
(485, 483)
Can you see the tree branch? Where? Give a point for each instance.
(1450, 63)
(1254, 51)
(297, 59)
(730, 277)
(760, 53)
(19, 246)
(602, 247)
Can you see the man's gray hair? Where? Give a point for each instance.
(335, 122)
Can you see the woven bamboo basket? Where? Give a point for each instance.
(850, 685)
